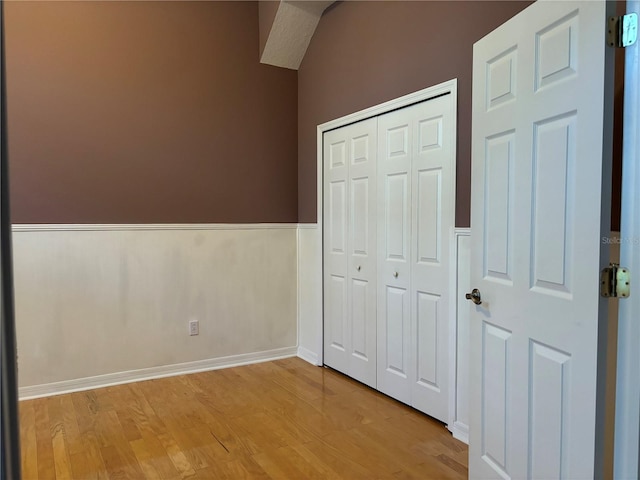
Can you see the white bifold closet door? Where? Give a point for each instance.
(388, 217)
(350, 250)
(415, 220)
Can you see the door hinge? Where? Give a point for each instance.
(614, 281)
(623, 31)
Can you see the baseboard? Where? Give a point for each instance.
(460, 431)
(99, 381)
(308, 356)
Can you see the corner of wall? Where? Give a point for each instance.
(309, 309)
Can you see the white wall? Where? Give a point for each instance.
(94, 301)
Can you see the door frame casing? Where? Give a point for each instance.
(627, 422)
(449, 87)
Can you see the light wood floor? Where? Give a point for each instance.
(282, 420)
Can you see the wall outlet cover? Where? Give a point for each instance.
(194, 327)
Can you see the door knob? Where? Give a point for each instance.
(395, 274)
(358, 268)
(474, 296)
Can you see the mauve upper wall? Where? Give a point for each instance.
(365, 53)
(267, 14)
(147, 112)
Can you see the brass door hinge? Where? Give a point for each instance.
(614, 281)
(623, 31)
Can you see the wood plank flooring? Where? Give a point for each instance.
(277, 420)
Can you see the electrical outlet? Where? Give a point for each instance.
(194, 327)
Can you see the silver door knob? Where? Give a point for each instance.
(474, 296)
(358, 268)
(395, 274)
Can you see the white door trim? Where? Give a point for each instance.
(458, 398)
(448, 87)
(627, 425)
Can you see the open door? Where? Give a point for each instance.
(10, 437)
(541, 147)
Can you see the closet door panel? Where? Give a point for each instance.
(361, 297)
(349, 250)
(362, 250)
(336, 281)
(415, 221)
(432, 221)
(394, 250)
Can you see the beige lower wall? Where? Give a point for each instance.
(115, 299)
(310, 305)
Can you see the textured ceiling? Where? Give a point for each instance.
(291, 31)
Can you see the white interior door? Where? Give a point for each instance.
(539, 210)
(416, 218)
(350, 246)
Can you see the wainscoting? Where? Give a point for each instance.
(106, 304)
(101, 305)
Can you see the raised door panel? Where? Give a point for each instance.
(428, 326)
(553, 197)
(498, 224)
(336, 320)
(360, 212)
(495, 438)
(548, 418)
(429, 216)
(396, 315)
(337, 224)
(360, 345)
